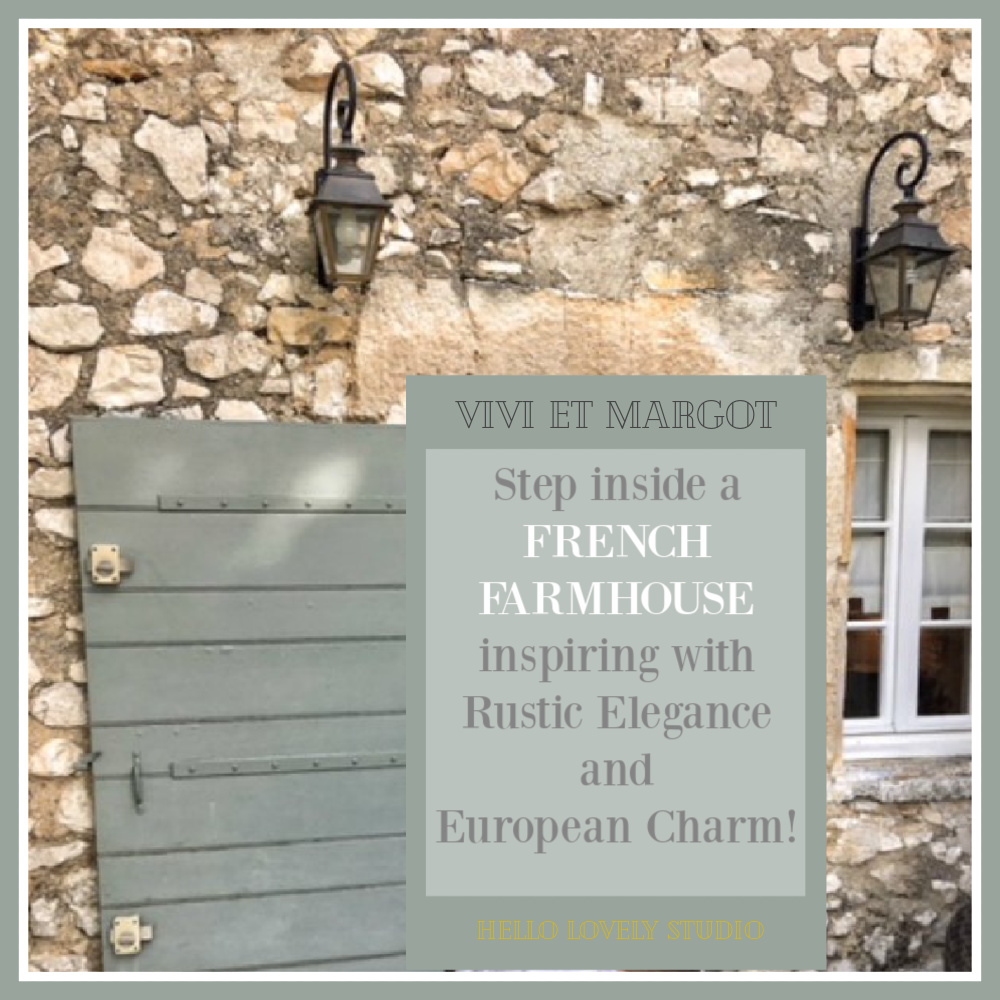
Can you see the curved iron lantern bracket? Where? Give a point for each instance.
(347, 209)
(346, 111)
(908, 176)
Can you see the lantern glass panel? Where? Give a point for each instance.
(883, 275)
(348, 238)
(904, 284)
(921, 277)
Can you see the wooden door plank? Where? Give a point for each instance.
(174, 683)
(130, 463)
(160, 746)
(250, 616)
(314, 927)
(172, 551)
(139, 880)
(245, 809)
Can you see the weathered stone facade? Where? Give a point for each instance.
(564, 201)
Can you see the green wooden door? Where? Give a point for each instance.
(246, 686)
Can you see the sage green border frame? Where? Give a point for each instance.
(919, 984)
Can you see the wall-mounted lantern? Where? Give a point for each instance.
(905, 264)
(347, 209)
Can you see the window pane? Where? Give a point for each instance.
(947, 575)
(870, 475)
(864, 602)
(949, 476)
(864, 671)
(944, 671)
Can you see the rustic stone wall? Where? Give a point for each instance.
(564, 201)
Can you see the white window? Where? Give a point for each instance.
(909, 618)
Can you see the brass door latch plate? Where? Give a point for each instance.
(108, 565)
(128, 934)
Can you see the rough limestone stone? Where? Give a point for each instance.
(352, 40)
(65, 328)
(308, 327)
(507, 77)
(855, 846)
(665, 101)
(62, 446)
(384, 171)
(55, 758)
(79, 892)
(40, 607)
(498, 177)
(42, 856)
(183, 389)
(204, 287)
(781, 155)
(504, 119)
(60, 706)
(40, 261)
(60, 963)
(901, 54)
(278, 288)
(120, 260)
(323, 389)
(854, 63)
(47, 917)
(52, 378)
(951, 111)
(309, 65)
(737, 197)
(409, 330)
(167, 312)
(182, 154)
(812, 109)
(38, 439)
(239, 409)
(103, 155)
(961, 69)
(726, 150)
(879, 945)
(379, 74)
(227, 354)
(259, 119)
(127, 376)
(956, 226)
(51, 484)
(593, 96)
(89, 104)
(810, 65)
(434, 79)
(168, 51)
(602, 163)
(876, 106)
(737, 69)
(192, 412)
(58, 521)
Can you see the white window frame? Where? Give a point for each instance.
(898, 731)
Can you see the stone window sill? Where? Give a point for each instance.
(921, 779)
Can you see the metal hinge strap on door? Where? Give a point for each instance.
(128, 934)
(229, 504)
(216, 768)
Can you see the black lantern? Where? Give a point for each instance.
(347, 209)
(905, 264)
